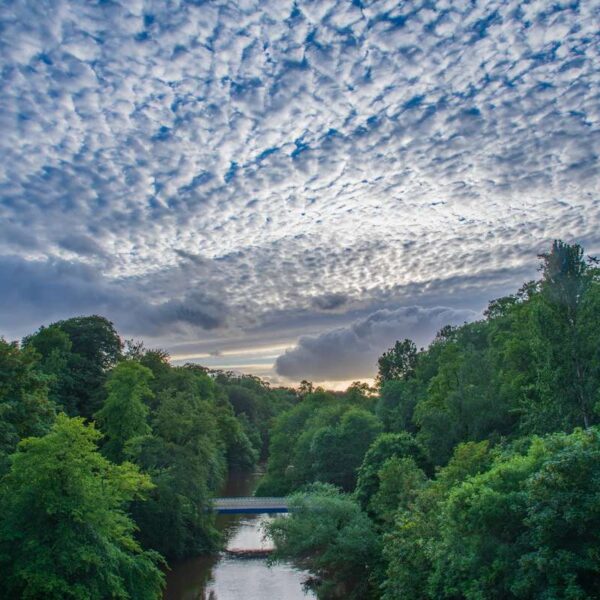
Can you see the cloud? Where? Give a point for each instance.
(81, 244)
(52, 290)
(330, 301)
(281, 167)
(352, 351)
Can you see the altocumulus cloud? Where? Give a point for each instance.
(228, 166)
(352, 351)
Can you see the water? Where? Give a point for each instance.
(226, 577)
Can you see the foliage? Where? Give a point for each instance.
(398, 362)
(337, 451)
(400, 482)
(185, 457)
(327, 534)
(323, 438)
(409, 544)
(396, 403)
(567, 330)
(24, 406)
(385, 447)
(64, 530)
(124, 414)
(526, 528)
(79, 367)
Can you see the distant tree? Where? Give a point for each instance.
(337, 451)
(64, 529)
(305, 387)
(396, 403)
(124, 414)
(398, 362)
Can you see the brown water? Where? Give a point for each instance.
(225, 577)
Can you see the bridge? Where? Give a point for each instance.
(250, 505)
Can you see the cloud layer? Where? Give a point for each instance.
(259, 169)
(352, 351)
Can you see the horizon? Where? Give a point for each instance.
(286, 188)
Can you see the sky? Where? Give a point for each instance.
(285, 188)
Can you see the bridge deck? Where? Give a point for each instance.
(250, 505)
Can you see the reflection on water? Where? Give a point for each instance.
(248, 534)
(226, 577)
(253, 580)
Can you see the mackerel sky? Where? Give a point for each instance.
(286, 187)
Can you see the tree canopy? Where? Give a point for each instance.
(64, 529)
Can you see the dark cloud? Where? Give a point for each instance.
(80, 244)
(330, 301)
(352, 351)
(35, 292)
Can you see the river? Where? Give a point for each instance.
(224, 577)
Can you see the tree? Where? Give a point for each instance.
(396, 403)
(54, 348)
(305, 388)
(80, 372)
(338, 451)
(526, 528)
(24, 406)
(385, 447)
(410, 543)
(64, 529)
(124, 414)
(186, 458)
(327, 534)
(567, 348)
(400, 482)
(398, 362)
(463, 402)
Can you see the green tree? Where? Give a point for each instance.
(24, 406)
(337, 451)
(385, 447)
(186, 458)
(54, 348)
(568, 329)
(396, 404)
(409, 546)
(79, 372)
(327, 534)
(400, 482)
(64, 529)
(124, 414)
(463, 402)
(526, 528)
(398, 362)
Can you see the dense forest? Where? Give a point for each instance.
(109, 458)
(471, 470)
